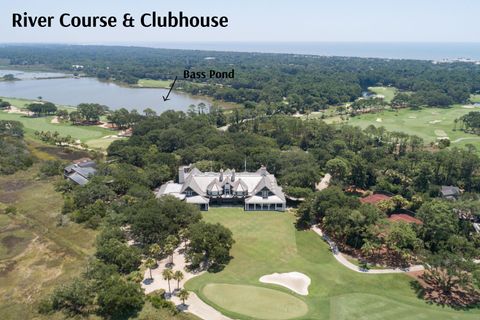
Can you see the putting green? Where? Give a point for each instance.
(257, 302)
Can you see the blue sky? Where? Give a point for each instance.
(298, 20)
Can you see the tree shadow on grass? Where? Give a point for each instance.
(460, 301)
(125, 316)
(212, 268)
(419, 290)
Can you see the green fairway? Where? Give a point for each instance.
(387, 92)
(22, 103)
(102, 143)
(475, 98)
(83, 133)
(267, 242)
(255, 301)
(148, 83)
(427, 123)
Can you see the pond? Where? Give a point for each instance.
(73, 91)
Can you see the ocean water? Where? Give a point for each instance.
(418, 51)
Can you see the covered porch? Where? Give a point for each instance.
(272, 203)
(201, 202)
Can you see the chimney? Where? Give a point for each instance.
(221, 175)
(233, 175)
(182, 171)
(263, 170)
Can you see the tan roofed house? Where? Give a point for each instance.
(254, 190)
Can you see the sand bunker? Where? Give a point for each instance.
(468, 107)
(379, 120)
(440, 133)
(17, 110)
(435, 121)
(295, 281)
(412, 117)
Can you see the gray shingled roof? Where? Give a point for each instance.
(75, 177)
(450, 191)
(240, 185)
(251, 182)
(87, 164)
(192, 184)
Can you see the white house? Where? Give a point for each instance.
(255, 190)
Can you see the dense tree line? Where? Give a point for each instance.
(471, 122)
(4, 105)
(14, 154)
(291, 82)
(43, 108)
(87, 113)
(299, 151)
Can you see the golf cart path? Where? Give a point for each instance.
(340, 258)
(465, 139)
(193, 304)
(324, 183)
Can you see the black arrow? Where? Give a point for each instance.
(168, 94)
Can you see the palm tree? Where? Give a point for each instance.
(171, 243)
(201, 108)
(178, 276)
(183, 295)
(149, 112)
(169, 250)
(183, 234)
(367, 248)
(168, 275)
(155, 250)
(136, 276)
(192, 110)
(150, 263)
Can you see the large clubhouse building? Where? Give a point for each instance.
(255, 190)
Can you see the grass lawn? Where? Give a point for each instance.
(387, 92)
(256, 301)
(475, 98)
(427, 123)
(149, 83)
(22, 103)
(102, 143)
(267, 242)
(91, 135)
(83, 133)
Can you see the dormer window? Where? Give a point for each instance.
(227, 189)
(264, 194)
(189, 193)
